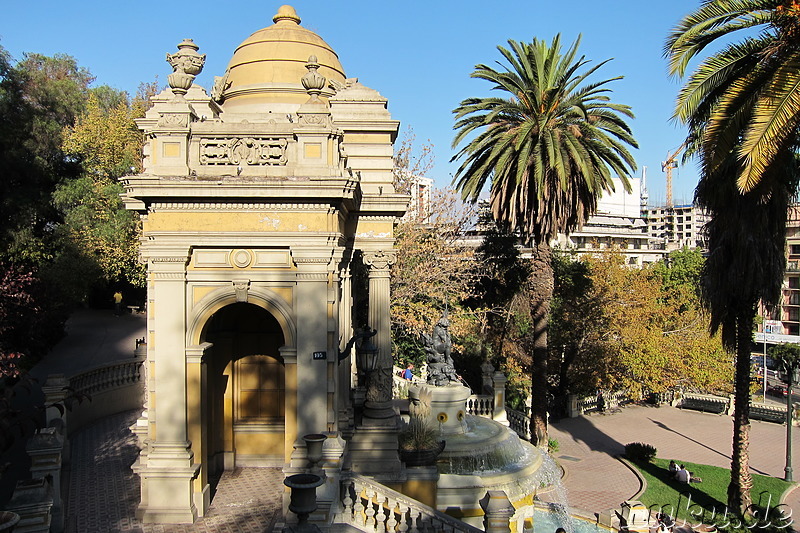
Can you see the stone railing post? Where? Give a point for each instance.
(45, 449)
(572, 400)
(729, 410)
(499, 387)
(55, 391)
(498, 511)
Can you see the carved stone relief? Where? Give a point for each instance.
(243, 151)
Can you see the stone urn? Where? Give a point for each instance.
(314, 442)
(8, 521)
(426, 457)
(303, 500)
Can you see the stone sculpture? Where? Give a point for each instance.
(439, 350)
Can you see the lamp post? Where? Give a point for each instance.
(789, 356)
(791, 370)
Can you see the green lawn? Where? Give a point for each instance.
(705, 502)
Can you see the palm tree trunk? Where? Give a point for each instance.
(741, 481)
(540, 286)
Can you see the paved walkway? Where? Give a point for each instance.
(105, 492)
(597, 481)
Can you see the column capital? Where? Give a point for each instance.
(380, 259)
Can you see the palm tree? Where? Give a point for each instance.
(742, 108)
(744, 99)
(549, 148)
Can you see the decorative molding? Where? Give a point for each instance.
(241, 287)
(175, 259)
(180, 120)
(314, 119)
(241, 258)
(376, 218)
(322, 276)
(243, 151)
(229, 206)
(380, 259)
(169, 276)
(308, 260)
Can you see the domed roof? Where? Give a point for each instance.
(269, 65)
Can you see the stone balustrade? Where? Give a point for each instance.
(108, 376)
(481, 405)
(369, 506)
(520, 423)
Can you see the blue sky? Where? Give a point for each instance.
(417, 54)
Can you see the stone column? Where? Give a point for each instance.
(168, 473)
(197, 421)
(311, 308)
(378, 407)
(373, 448)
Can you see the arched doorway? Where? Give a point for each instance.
(244, 398)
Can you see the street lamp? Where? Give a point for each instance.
(789, 356)
(790, 365)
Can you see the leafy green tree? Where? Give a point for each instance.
(434, 270)
(572, 312)
(789, 356)
(616, 327)
(549, 148)
(39, 97)
(742, 107)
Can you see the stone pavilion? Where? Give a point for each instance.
(268, 210)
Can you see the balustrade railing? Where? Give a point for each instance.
(480, 405)
(109, 376)
(369, 506)
(520, 423)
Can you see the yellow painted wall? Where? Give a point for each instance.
(377, 227)
(259, 443)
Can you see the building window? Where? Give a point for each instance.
(794, 282)
(793, 329)
(794, 314)
(794, 249)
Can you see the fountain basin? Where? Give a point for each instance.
(487, 456)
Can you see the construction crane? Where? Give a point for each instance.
(667, 166)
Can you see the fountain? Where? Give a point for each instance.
(480, 454)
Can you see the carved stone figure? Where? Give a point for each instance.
(438, 348)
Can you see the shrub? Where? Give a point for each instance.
(640, 452)
(552, 445)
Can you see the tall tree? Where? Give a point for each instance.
(39, 97)
(742, 108)
(549, 148)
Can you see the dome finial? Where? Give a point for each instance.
(286, 12)
(313, 81)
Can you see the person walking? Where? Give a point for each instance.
(118, 303)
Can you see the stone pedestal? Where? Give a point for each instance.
(373, 451)
(32, 501)
(167, 485)
(447, 406)
(498, 511)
